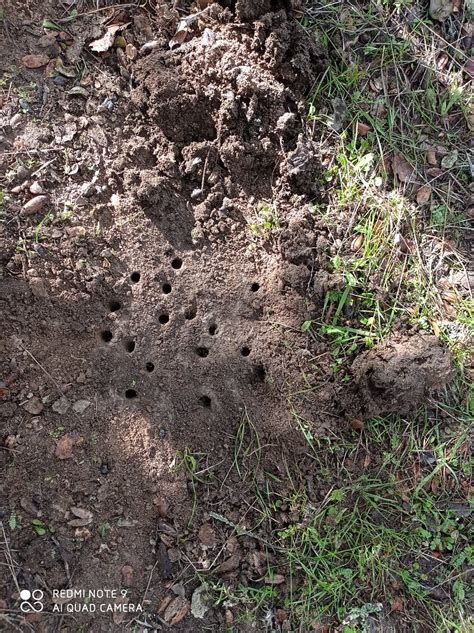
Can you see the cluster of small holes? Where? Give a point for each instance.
(115, 305)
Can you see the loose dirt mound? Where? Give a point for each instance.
(168, 302)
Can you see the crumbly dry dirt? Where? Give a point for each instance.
(146, 315)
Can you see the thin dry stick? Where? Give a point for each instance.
(9, 557)
(43, 369)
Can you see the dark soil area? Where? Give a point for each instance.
(159, 247)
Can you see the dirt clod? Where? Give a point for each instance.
(399, 375)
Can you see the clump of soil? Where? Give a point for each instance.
(400, 374)
(227, 112)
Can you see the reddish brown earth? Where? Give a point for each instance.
(153, 318)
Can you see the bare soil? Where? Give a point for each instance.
(151, 318)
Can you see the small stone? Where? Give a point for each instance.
(81, 405)
(36, 188)
(10, 442)
(104, 469)
(81, 379)
(61, 405)
(33, 406)
(35, 205)
(127, 575)
(207, 535)
(178, 589)
(34, 61)
(64, 447)
(16, 120)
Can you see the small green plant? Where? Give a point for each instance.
(12, 521)
(190, 462)
(39, 527)
(104, 528)
(56, 434)
(267, 222)
(47, 218)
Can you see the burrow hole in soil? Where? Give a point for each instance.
(135, 277)
(114, 305)
(212, 329)
(130, 345)
(164, 319)
(205, 401)
(259, 373)
(255, 287)
(245, 351)
(166, 288)
(202, 352)
(176, 263)
(130, 394)
(190, 314)
(150, 367)
(106, 336)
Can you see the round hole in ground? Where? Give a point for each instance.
(212, 329)
(205, 401)
(164, 318)
(106, 336)
(202, 352)
(130, 345)
(150, 367)
(176, 263)
(135, 277)
(114, 305)
(166, 288)
(130, 394)
(255, 287)
(190, 314)
(259, 373)
(245, 351)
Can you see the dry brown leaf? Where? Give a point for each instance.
(450, 296)
(276, 579)
(402, 168)
(131, 52)
(180, 35)
(423, 194)
(431, 157)
(176, 611)
(82, 514)
(435, 327)
(64, 447)
(106, 41)
(357, 242)
(34, 61)
(397, 605)
(362, 128)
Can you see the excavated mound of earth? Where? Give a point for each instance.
(168, 314)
